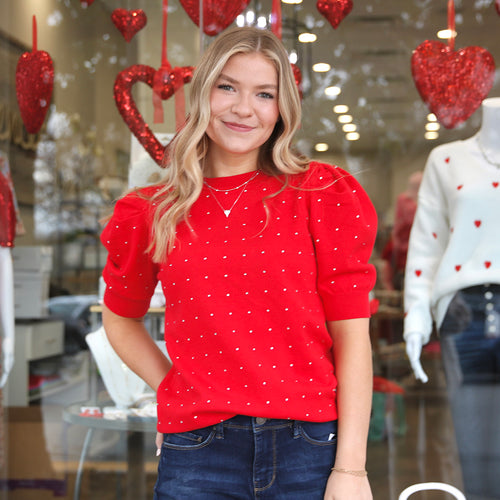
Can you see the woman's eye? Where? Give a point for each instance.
(224, 86)
(266, 95)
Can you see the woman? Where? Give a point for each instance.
(262, 257)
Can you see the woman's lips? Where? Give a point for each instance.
(238, 127)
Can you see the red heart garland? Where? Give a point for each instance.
(34, 85)
(452, 83)
(128, 109)
(334, 10)
(129, 22)
(217, 14)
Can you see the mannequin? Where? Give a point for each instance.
(10, 223)
(452, 281)
(406, 206)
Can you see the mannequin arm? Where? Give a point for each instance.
(414, 342)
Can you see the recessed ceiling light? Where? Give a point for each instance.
(321, 67)
(349, 127)
(292, 2)
(333, 90)
(432, 126)
(340, 108)
(431, 135)
(352, 136)
(431, 117)
(307, 37)
(321, 147)
(445, 34)
(344, 118)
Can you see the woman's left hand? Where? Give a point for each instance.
(158, 442)
(346, 487)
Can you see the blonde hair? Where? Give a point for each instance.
(183, 180)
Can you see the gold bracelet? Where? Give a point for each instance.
(358, 473)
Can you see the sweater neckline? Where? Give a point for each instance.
(230, 181)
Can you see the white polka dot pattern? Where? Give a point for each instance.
(247, 297)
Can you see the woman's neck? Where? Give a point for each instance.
(219, 163)
(489, 133)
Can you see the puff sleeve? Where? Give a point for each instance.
(129, 273)
(343, 226)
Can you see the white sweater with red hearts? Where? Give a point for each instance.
(455, 238)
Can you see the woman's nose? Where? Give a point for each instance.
(242, 105)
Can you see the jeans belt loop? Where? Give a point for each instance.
(296, 428)
(219, 430)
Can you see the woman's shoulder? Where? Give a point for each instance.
(138, 202)
(324, 175)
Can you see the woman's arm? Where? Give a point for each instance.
(353, 369)
(134, 345)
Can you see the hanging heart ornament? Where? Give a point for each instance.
(334, 10)
(129, 22)
(217, 14)
(34, 85)
(452, 83)
(171, 80)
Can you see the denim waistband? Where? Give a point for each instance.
(480, 289)
(257, 424)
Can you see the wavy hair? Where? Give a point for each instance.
(183, 181)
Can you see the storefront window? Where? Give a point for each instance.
(62, 433)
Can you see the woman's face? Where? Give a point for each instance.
(243, 107)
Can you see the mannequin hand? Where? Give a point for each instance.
(413, 350)
(7, 361)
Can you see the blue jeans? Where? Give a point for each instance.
(248, 458)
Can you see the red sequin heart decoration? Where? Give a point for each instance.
(334, 10)
(452, 83)
(34, 84)
(297, 74)
(129, 22)
(128, 109)
(217, 14)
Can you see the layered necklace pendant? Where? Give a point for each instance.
(241, 187)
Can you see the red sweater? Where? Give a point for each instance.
(247, 296)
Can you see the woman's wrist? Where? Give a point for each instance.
(351, 472)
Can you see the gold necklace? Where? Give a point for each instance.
(227, 212)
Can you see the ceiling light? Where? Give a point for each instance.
(432, 126)
(445, 34)
(261, 22)
(352, 136)
(250, 16)
(307, 37)
(292, 2)
(349, 127)
(321, 67)
(240, 21)
(431, 117)
(431, 135)
(293, 57)
(333, 91)
(321, 147)
(340, 108)
(344, 118)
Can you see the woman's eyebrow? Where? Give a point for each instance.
(262, 86)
